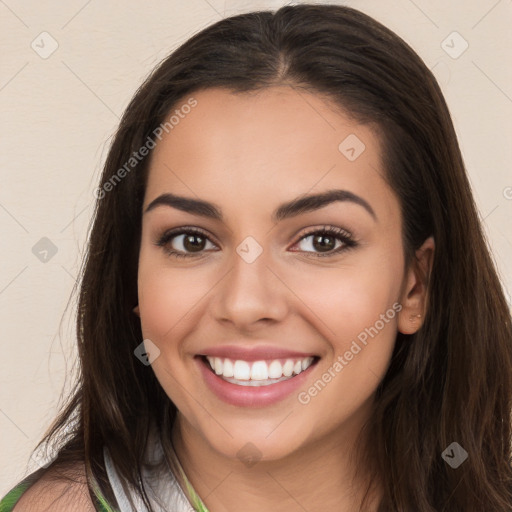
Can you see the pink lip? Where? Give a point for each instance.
(258, 353)
(251, 396)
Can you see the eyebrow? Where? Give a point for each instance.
(297, 206)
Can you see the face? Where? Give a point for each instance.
(294, 301)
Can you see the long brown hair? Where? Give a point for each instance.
(449, 382)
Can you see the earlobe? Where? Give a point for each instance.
(136, 310)
(415, 292)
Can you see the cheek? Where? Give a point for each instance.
(167, 296)
(355, 309)
(359, 324)
(359, 306)
(344, 301)
(365, 301)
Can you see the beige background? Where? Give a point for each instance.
(59, 112)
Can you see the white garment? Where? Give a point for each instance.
(164, 492)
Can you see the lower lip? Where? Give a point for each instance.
(252, 396)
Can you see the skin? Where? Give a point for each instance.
(248, 153)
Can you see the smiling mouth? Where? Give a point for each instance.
(258, 373)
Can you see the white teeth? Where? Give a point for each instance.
(258, 372)
(254, 383)
(288, 368)
(275, 370)
(228, 368)
(241, 370)
(306, 363)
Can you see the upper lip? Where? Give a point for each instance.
(257, 353)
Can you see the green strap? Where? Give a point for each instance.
(12, 497)
(103, 506)
(197, 503)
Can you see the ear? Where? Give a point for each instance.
(414, 293)
(136, 310)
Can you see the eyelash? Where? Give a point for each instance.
(340, 234)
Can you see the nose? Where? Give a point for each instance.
(250, 294)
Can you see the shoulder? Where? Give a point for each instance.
(57, 490)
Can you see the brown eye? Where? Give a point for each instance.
(326, 242)
(193, 242)
(184, 242)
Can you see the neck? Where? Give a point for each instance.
(319, 476)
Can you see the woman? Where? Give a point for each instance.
(288, 302)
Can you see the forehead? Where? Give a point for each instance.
(279, 142)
